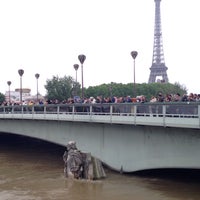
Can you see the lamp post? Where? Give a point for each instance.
(110, 90)
(9, 83)
(134, 55)
(76, 66)
(21, 72)
(37, 76)
(82, 59)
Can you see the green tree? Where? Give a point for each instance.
(148, 90)
(2, 98)
(61, 88)
(65, 87)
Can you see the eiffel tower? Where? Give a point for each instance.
(158, 67)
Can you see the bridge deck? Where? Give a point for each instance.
(131, 137)
(182, 115)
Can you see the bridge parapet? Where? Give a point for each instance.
(185, 115)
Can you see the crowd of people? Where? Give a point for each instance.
(192, 97)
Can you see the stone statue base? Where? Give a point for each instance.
(79, 165)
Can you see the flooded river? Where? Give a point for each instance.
(33, 170)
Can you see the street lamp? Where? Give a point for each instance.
(110, 89)
(9, 83)
(37, 76)
(134, 55)
(82, 59)
(21, 72)
(76, 66)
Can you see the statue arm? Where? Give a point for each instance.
(65, 155)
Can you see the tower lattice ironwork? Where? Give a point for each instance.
(158, 67)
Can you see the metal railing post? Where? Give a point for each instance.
(135, 114)
(32, 110)
(4, 111)
(164, 113)
(111, 112)
(90, 109)
(58, 111)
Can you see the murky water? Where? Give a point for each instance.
(33, 170)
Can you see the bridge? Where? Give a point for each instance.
(126, 136)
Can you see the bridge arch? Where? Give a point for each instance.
(120, 146)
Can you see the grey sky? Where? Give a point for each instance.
(46, 37)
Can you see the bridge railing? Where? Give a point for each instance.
(139, 109)
(123, 109)
(178, 114)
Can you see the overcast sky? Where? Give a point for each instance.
(46, 37)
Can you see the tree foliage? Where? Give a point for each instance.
(122, 90)
(64, 88)
(61, 88)
(2, 98)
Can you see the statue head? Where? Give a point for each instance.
(71, 145)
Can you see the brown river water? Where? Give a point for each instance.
(33, 170)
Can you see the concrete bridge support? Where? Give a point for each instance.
(122, 147)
